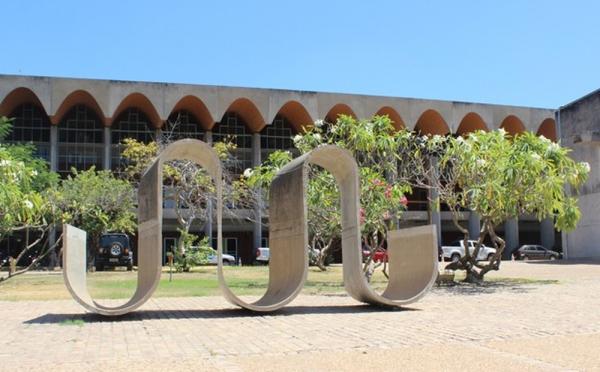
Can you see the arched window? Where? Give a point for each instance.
(234, 127)
(80, 140)
(277, 136)
(132, 123)
(31, 125)
(183, 124)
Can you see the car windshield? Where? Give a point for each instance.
(107, 240)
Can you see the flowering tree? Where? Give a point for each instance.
(373, 144)
(188, 185)
(502, 177)
(23, 207)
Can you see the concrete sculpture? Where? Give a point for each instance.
(412, 252)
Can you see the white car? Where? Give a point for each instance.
(263, 254)
(227, 259)
(455, 250)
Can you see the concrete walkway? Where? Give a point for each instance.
(511, 325)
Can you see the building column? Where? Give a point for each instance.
(107, 143)
(257, 228)
(435, 217)
(54, 148)
(208, 225)
(474, 225)
(547, 233)
(511, 237)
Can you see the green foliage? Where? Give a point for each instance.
(23, 180)
(374, 146)
(192, 255)
(501, 177)
(96, 202)
(5, 127)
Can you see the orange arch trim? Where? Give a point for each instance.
(78, 97)
(512, 125)
(548, 129)
(337, 110)
(470, 123)
(16, 98)
(396, 119)
(296, 114)
(248, 111)
(194, 105)
(432, 123)
(141, 102)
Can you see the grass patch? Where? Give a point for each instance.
(72, 322)
(202, 281)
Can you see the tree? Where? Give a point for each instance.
(373, 144)
(502, 177)
(23, 205)
(97, 202)
(187, 184)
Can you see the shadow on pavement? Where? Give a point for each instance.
(563, 262)
(140, 315)
(492, 286)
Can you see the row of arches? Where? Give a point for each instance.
(296, 115)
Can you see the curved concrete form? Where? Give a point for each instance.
(150, 208)
(412, 252)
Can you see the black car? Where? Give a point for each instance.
(535, 252)
(114, 250)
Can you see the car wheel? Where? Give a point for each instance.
(100, 268)
(130, 267)
(552, 258)
(227, 263)
(525, 258)
(455, 257)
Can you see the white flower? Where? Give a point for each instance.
(437, 137)
(481, 162)
(536, 156)
(297, 138)
(34, 173)
(460, 139)
(319, 123)
(317, 137)
(586, 166)
(553, 146)
(28, 204)
(248, 173)
(4, 163)
(502, 131)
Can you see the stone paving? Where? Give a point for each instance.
(506, 326)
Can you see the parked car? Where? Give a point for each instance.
(227, 258)
(535, 252)
(262, 255)
(114, 250)
(456, 250)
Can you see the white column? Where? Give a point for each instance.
(434, 207)
(107, 147)
(547, 233)
(54, 148)
(257, 228)
(474, 225)
(511, 236)
(209, 210)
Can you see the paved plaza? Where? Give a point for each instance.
(551, 321)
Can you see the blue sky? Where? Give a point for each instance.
(530, 53)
